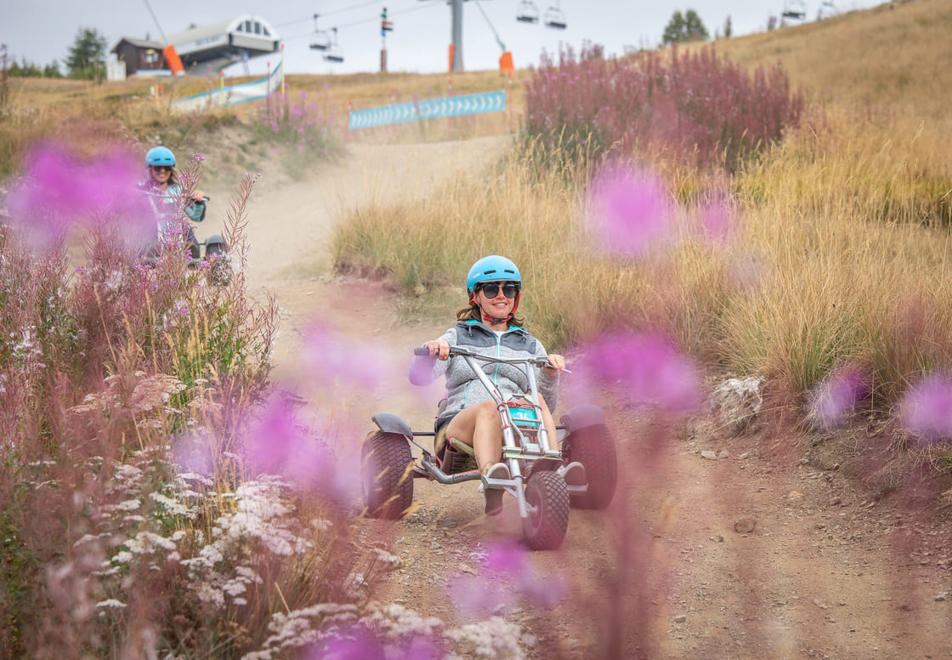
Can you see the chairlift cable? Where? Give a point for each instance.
(155, 18)
(331, 13)
(491, 26)
(361, 22)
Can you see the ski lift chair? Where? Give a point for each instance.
(554, 18)
(795, 10)
(334, 53)
(527, 12)
(320, 40)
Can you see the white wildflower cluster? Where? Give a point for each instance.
(27, 348)
(397, 626)
(260, 525)
(113, 281)
(136, 520)
(493, 638)
(25, 352)
(397, 630)
(300, 628)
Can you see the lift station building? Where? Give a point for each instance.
(203, 49)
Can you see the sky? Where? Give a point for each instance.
(42, 31)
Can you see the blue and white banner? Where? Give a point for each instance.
(254, 90)
(453, 106)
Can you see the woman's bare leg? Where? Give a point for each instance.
(478, 426)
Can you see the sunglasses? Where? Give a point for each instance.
(161, 168)
(491, 290)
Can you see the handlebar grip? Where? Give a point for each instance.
(421, 350)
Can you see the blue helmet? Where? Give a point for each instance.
(492, 269)
(159, 156)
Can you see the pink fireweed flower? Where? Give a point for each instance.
(644, 369)
(355, 643)
(630, 213)
(717, 224)
(357, 365)
(277, 442)
(60, 191)
(477, 597)
(832, 401)
(926, 409)
(509, 560)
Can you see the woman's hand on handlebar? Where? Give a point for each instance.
(556, 363)
(438, 348)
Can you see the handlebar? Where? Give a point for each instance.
(456, 351)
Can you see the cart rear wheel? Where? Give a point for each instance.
(548, 500)
(594, 448)
(386, 481)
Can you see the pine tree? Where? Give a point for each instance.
(684, 27)
(87, 54)
(674, 30)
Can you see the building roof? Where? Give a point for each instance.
(138, 43)
(222, 27)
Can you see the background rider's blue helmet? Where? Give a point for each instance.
(492, 269)
(159, 156)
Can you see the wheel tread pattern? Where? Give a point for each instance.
(387, 486)
(545, 529)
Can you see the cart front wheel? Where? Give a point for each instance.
(548, 502)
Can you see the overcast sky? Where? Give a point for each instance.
(42, 30)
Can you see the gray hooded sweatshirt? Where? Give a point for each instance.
(462, 387)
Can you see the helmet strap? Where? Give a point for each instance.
(492, 320)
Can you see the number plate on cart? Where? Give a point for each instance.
(524, 416)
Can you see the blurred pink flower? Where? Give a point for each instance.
(506, 557)
(717, 221)
(477, 597)
(631, 213)
(509, 559)
(645, 369)
(832, 401)
(278, 443)
(357, 365)
(926, 409)
(60, 191)
(357, 643)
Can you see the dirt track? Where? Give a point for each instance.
(827, 570)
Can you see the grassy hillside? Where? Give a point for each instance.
(893, 58)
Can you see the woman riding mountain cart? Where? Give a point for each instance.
(489, 326)
(173, 209)
(495, 424)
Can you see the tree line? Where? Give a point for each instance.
(86, 60)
